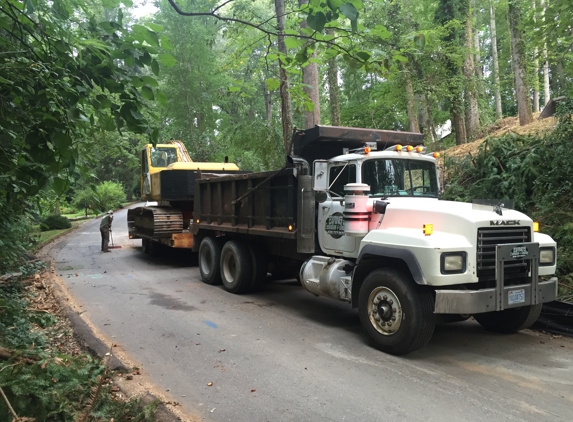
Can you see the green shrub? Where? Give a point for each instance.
(15, 240)
(55, 222)
(106, 196)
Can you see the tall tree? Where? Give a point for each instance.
(414, 125)
(535, 66)
(333, 89)
(495, 60)
(286, 106)
(447, 14)
(472, 110)
(310, 81)
(519, 62)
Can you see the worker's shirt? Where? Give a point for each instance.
(105, 222)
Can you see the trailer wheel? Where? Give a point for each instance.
(209, 259)
(259, 263)
(397, 314)
(236, 267)
(509, 320)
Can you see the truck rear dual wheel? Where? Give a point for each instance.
(210, 259)
(397, 314)
(259, 263)
(236, 267)
(509, 320)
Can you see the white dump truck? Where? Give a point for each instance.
(356, 214)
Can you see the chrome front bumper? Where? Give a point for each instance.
(485, 300)
(501, 297)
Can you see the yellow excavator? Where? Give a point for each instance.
(167, 180)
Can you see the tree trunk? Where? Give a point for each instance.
(431, 126)
(459, 124)
(333, 89)
(519, 63)
(561, 77)
(472, 109)
(268, 104)
(546, 92)
(410, 103)
(310, 81)
(286, 107)
(477, 56)
(535, 67)
(497, 93)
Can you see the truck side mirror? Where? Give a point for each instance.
(379, 207)
(320, 196)
(320, 175)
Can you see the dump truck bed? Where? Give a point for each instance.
(263, 204)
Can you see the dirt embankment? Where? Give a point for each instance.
(500, 128)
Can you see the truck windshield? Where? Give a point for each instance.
(400, 177)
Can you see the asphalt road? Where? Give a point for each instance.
(290, 356)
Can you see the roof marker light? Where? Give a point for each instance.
(367, 150)
(409, 148)
(419, 149)
(436, 154)
(398, 147)
(428, 229)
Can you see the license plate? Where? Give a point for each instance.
(516, 296)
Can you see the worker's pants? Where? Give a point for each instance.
(104, 238)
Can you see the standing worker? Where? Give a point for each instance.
(105, 228)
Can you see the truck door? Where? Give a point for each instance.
(330, 212)
(146, 177)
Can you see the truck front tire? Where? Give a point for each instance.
(209, 259)
(509, 320)
(397, 314)
(236, 267)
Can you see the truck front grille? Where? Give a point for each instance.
(515, 271)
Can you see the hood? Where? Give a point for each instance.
(447, 216)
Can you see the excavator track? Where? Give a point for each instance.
(154, 222)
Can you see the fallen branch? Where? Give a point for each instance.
(8, 277)
(14, 415)
(7, 354)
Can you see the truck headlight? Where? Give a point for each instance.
(453, 262)
(547, 256)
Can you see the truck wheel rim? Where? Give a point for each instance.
(229, 267)
(384, 311)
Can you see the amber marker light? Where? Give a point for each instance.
(428, 229)
(290, 227)
(197, 221)
(419, 149)
(398, 147)
(409, 148)
(536, 226)
(436, 154)
(367, 150)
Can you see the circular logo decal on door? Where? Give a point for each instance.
(335, 225)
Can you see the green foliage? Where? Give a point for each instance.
(14, 238)
(46, 385)
(105, 196)
(534, 171)
(55, 222)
